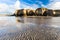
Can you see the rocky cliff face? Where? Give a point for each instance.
(25, 12)
(37, 12)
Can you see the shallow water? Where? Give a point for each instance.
(29, 28)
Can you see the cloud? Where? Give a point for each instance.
(7, 1)
(40, 4)
(10, 8)
(54, 4)
(34, 6)
(6, 8)
(17, 4)
(28, 6)
(3, 7)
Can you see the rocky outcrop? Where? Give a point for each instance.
(30, 12)
(40, 11)
(37, 12)
(48, 13)
(25, 12)
(56, 12)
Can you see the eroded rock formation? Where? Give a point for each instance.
(37, 12)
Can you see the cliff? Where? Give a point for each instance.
(37, 12)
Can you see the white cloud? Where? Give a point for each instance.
(5, 8)
(54, 4)
(27, 6)
(7, 1)
(24, 5)
(34, 6)
(41, 4)
(17, 4)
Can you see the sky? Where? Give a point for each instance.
(9, 6)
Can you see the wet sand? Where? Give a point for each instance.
(29, 28)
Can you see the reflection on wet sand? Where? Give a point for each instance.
(30, 28)
(35, 20)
